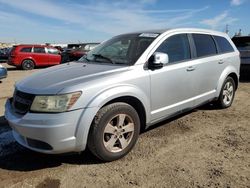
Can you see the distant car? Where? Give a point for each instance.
(243, 45)
(30, 56)
(4, 53)
(59, 48)
(3, 72)
(75, 52)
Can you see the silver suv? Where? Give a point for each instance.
(121, 87)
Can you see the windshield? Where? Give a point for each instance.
(123, 49)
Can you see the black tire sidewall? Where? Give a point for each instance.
(25, 61)
(101, 151)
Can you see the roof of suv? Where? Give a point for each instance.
(160, 31)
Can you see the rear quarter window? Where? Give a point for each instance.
(223, 45)
(205, 45)
(53, 51)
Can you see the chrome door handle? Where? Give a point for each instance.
(191, 68)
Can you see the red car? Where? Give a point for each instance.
(28, 57)
(75, 51)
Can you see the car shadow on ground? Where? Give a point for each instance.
(13, 69)
(27, 160)
(15, 157)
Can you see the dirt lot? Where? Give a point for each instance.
(203, 148)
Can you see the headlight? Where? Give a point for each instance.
(54, 103)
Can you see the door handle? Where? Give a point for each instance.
(191, 68)
(221, 62)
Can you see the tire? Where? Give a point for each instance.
(28, 64)
(110, 139)
(227, 93)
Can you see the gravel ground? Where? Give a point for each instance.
(206, 147)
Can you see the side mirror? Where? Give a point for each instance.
(157, 60)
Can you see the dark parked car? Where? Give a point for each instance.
(29, 56)
(243, 45)
(4, 53)
(3, 72)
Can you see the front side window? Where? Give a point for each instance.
(123, 49)
(204, 44)
(39, 50)
(223, 45)
(177, 48)
(52, 51)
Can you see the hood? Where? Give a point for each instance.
(54, 79)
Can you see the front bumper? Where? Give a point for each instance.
(45, 132)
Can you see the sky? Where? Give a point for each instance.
(75, 21)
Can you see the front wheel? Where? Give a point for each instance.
(227, 93)
(114, 131)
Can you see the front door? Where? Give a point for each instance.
(172, 87)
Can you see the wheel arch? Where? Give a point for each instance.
(136, 104)
(235, 78)
(229, 71)
(127, 94)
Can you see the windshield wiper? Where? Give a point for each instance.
(103, 57)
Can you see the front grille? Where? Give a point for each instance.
(22, 102)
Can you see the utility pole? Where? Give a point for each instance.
(240, 32)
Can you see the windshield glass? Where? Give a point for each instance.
(123, 49)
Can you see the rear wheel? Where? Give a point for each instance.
(227, 93)
(114, 131)
(28, 64)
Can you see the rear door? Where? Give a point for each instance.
(54, 56)
(208, 67)
(40, 56)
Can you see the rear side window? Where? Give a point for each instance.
(223, 45)
(204, 44)
(26, 49)
(39, 50)
(177, 48)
